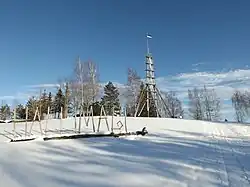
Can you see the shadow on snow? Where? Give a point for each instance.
(146, 161)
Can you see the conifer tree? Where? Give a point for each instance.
(110, 98)
(50, 102)
(66, 101)
(96, 108)
(32, 104)
(44, 101)
(59, 102)
(20, 112)
(5, 112)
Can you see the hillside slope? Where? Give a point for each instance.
(175, 153)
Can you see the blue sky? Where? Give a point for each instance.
(40, 40)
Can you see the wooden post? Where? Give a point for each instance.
(92, 116)
(40, 102)
(14, 123)
(102, 116)
(125, 120)
(75, 118)
(112, 120)
(33, 120)
(80, 120)
(48, 112)
(26, 121)
(86, 120)
(39, 119)
(61, 120)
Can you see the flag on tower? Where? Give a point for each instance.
(149, 36)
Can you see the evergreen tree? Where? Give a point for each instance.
(110, 98)
(59, 102)
(50, 103)
(66, 108)
(44, 101)
(20, 112)
(32, 104)
(96, 108)
(5, 112)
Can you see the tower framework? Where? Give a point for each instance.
(154, 102)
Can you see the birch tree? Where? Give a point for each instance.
(211, 104)
(91, 83)
(85, 84)
(133, 90)
(204, 104)
(74, 96)
(174, 105)
(196, 109)
(240, 102)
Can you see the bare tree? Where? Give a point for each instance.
(133, 90)
(196, 109)
(204, 104)
(211, 104)
(85, 84)
(247, 99)
(174, 105)
(240, 102)
(77, 85)
(91, 84)
(74, 96)
(93, 81)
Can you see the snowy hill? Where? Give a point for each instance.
(174, 153)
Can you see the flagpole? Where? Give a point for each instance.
(147, 44)
(148, 37)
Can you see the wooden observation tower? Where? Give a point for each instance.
(154, 100)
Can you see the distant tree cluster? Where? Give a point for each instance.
(241, 105)
(5, 112)
(74, 96)
(81, 91)
(204, 104)
(134, 87)
(174, 105)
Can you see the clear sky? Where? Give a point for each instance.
(40, 40)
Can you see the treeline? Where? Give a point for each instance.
(74, 96)
(82, 90)
(205, 105)
(63, 103)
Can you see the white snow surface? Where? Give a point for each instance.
(175, 153)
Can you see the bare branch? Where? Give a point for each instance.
(84, 84)
(195, 97)
(133, 90)
(240, 102)
(174, 105)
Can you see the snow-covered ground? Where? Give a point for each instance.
(174, 153)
